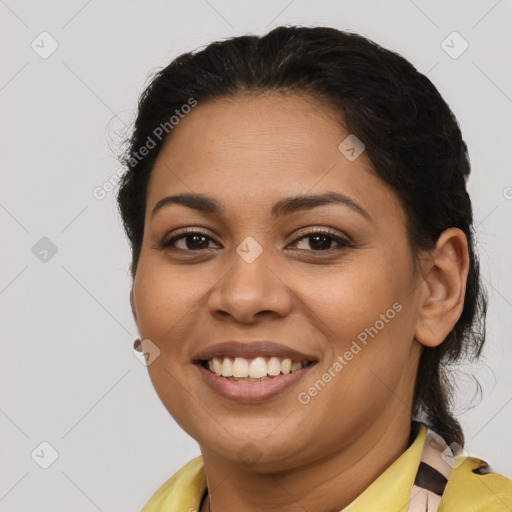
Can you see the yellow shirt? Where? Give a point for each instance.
(465, 491)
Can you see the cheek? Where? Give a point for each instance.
(351, 297)
(164, 296)
(367, 325)
(166, 299)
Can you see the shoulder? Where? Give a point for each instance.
(182, 491)
(473, 486)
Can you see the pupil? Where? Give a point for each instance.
(195, 244)
(320, 246)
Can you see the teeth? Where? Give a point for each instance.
(240, 367)
(216, 366)
(295, 366)
(226, 370)
(286, 366)
(255, 368)
(274, 366)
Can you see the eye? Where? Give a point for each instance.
(192, 241)
(321, 240)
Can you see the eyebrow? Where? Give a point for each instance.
(282, 208)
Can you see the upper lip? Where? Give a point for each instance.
(250, 350)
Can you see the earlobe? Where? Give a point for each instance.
(445, 287)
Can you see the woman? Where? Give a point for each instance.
(303, 271)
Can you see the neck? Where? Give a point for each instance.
(329, 483)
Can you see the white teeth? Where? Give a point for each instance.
(286, 366)
(240, 367)
(227, 367)
(258, 368)
(217, 366)
(296, 365)
(254, 368)
(274, 366)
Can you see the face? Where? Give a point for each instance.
(334, 281)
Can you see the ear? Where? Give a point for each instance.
(444, 286)
(132, 303)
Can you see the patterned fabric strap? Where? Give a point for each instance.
(434, 470)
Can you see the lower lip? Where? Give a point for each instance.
(248, 392)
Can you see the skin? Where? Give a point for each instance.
(248, 153)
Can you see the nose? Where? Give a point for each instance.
(250, 289)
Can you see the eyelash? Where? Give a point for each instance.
(342, 241)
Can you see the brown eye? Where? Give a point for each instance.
(192, 241)
(321, 240)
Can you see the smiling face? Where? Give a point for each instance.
(326, 274)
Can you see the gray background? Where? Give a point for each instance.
(68, 373)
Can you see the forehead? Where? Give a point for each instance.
(255, 148)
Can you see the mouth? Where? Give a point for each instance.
(252, 371)
(256, 369)
(241, 387)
